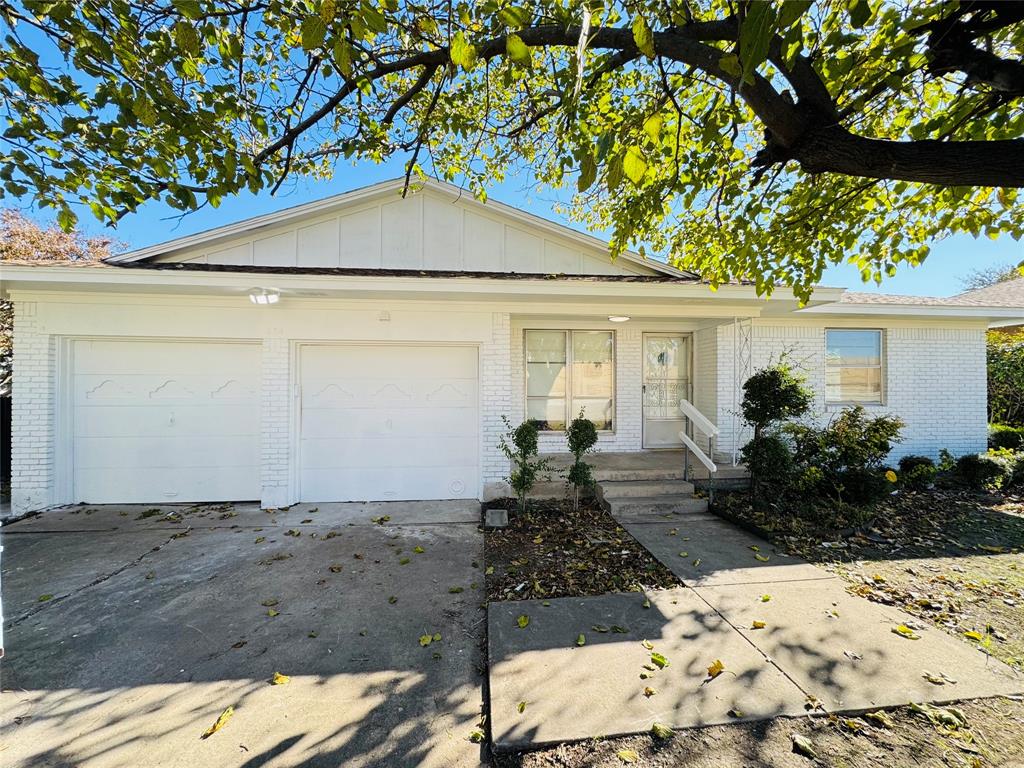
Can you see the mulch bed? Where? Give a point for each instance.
(552, 551)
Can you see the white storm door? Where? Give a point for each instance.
(165, 421)
(388, 422)
(666, 375)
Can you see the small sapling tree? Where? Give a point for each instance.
(581, 435)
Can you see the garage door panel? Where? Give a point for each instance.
(154, 357)
(384, 484)
(389, 422)
(363, 422)
(145, 486)
(165, 452)
(387, 362)
(437, 452)
(165, 420)
(143, 421)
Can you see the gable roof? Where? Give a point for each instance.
(173, 249)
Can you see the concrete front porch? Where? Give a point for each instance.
(646, 465)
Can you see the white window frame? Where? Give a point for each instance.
(881, 368)
(568, 332)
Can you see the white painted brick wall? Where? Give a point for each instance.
(276, 412)
(32, 417)
(495, 399)
(934, 381)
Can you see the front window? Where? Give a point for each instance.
(568, 372)
(853, 366)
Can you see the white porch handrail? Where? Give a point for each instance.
(702, 457)
(702, 422)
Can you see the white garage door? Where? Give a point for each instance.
(165, 421)
(389, 422)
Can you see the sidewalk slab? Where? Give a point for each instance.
(718, 553)
(841, 648)
(576, 692)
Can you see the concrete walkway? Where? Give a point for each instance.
(817, 641)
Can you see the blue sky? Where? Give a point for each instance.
(950, 260)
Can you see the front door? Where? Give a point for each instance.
(666, 381)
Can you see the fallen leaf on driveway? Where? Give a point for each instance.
(762, 558)
(658, 660)
(628, 755)
(716, 668)
(219, 723)
(904, 631)
(599, 628)
(971, 635)
(260, 539)
(648, 692)
(735, 712)
(758, 624)
(279, 679)
(454, 590)
(269, 603)
(581, 640)
(802, 745)
(933, 679)
(620, 630)
(476, 736)
(45, 598)
(647, 644)
(392, 599)
(521, 707)
(272, 613)
(522, 620)
(765, 598)
(418, 550)
(881, 717)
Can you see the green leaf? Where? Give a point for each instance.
(661, 731)
(652, 127)
(588, 173)
(66, 220)
(462, 53)
(515, 16)
(313, 31)
(658, 660)
(643, 36)
(517, 50)
(523, 621)
(634, 165)
(790, 11)
(731, 64)
(581, 639)
(860, 12)
(187, 39)
(628, 755)
(755, 35)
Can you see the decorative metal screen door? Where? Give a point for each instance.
(666, 381)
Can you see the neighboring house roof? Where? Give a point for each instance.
(1009, 293)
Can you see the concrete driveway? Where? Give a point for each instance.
(157, 623)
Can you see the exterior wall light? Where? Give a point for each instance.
(263, 297)
(618, 318)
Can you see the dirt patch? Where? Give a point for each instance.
(552, 551)
(993, 736)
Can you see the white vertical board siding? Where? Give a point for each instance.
(388, 422)
(165, 421)
(427, 230)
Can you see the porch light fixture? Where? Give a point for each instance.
(618, 318)
(263, 297)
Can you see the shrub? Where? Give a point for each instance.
(519, 445)
(849, 453)
(982, 471)
(917, 472)
(768, 457)
(947, 461)
(1004, 436)
(771, 396)
(581, 436)
(1005, 360)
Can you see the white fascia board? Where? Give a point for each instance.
(996, 315)
(126, 279)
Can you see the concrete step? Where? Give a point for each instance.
(602, 475)
(671, 505)
(645, 488)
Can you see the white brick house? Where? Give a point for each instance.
(368, 346)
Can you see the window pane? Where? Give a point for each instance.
(598, 411)
(548, 413)
(853, 385)
(545, 346)
(592, 347)
(854, 347)
(545, 379)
